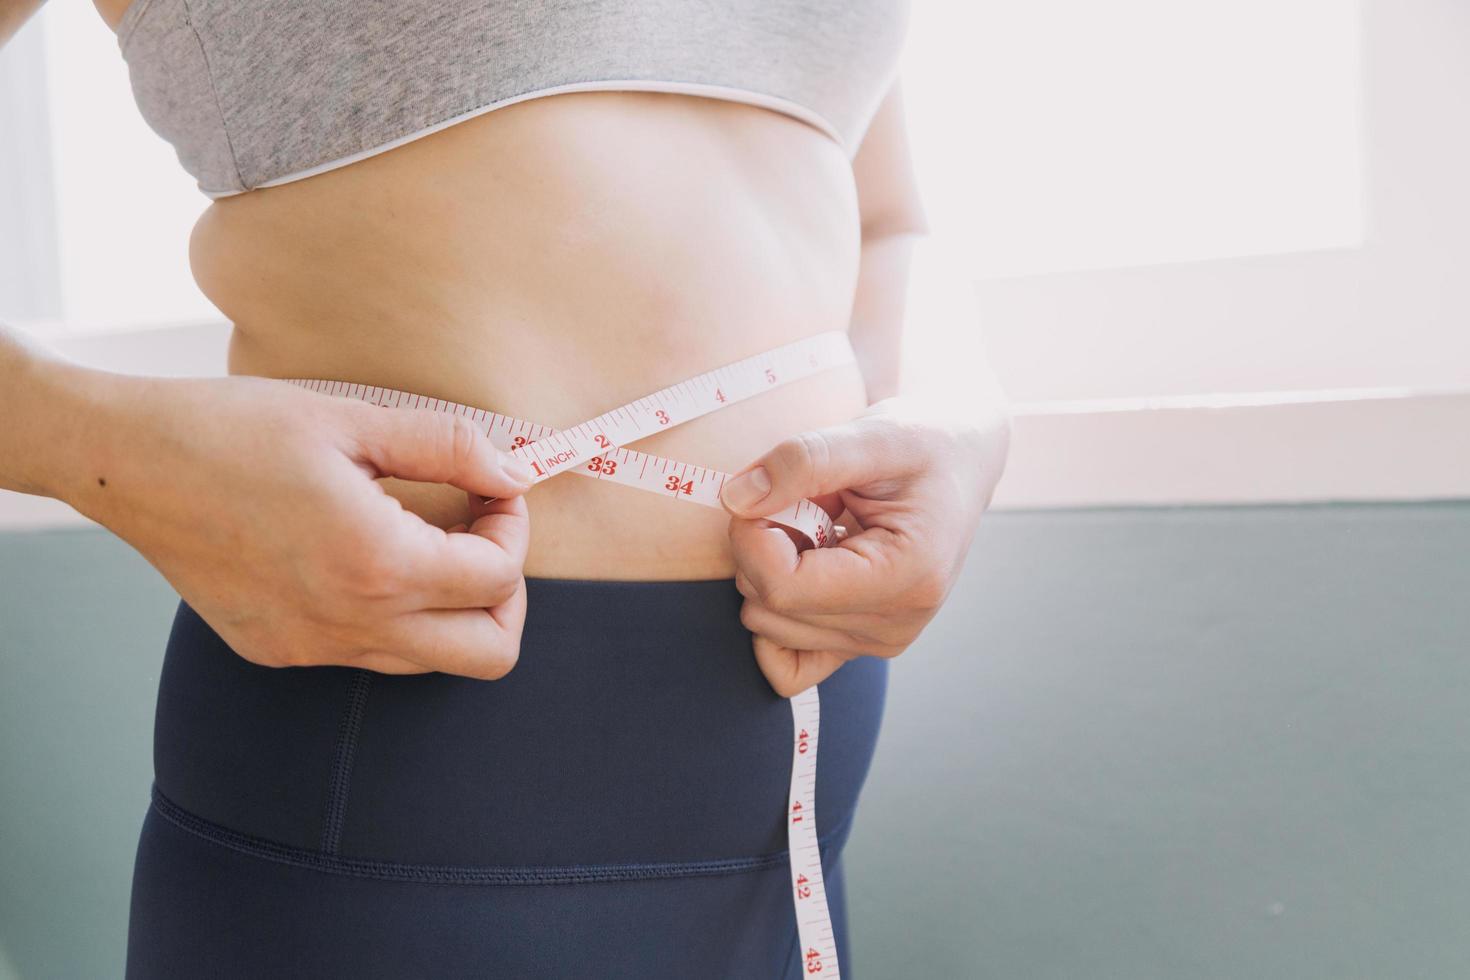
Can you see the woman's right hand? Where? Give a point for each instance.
(257, 501)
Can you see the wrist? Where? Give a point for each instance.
(78, 432)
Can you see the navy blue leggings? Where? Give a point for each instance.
(613, 807)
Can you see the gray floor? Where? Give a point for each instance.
(1196, 743)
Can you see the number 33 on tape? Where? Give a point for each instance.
(598, 449)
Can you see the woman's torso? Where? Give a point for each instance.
(550, 260)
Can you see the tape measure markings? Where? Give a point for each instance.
(698, 484)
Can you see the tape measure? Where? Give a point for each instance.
(597, 448)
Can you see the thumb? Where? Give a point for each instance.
(863, 453)
(436, 447)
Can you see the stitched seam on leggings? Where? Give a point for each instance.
(341, 783)
(571, 874)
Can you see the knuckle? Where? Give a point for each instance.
(506, 585)
(357, 425)
(497, 577)
(742, 584)
(803, 455)
(279, 655)
(887, 650)
(930, 591)
(461, 439)
(499, 663)
(778, 600)
(260, 656)
(783, 595)
(901, 632)
(369, 572)
(748, 615)
(505, 568)
(302, 655)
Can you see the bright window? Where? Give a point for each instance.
(1069, 134)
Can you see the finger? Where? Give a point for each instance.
(869, 627)
(466, 642)
(789, 672)
(480, 568)
(506, 522)
(853, 575)
(435, 447)
(510, 615)
(793, 633)
(743, 586)
(873, 453)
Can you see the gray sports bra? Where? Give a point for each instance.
(253, 93)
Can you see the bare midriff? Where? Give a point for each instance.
(551, 260)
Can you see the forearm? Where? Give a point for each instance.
(916, 325)
(14, 13)
(876, 330)
(56, 420)
(917, 333)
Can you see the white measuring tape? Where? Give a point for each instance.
(597, 448)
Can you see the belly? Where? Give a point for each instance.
(552, 260)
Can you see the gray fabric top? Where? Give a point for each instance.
(261, 92)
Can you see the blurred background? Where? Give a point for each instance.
(1200, 706)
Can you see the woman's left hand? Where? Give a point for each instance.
(915, 484)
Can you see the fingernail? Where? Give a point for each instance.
(516, 470)
(747, 489)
